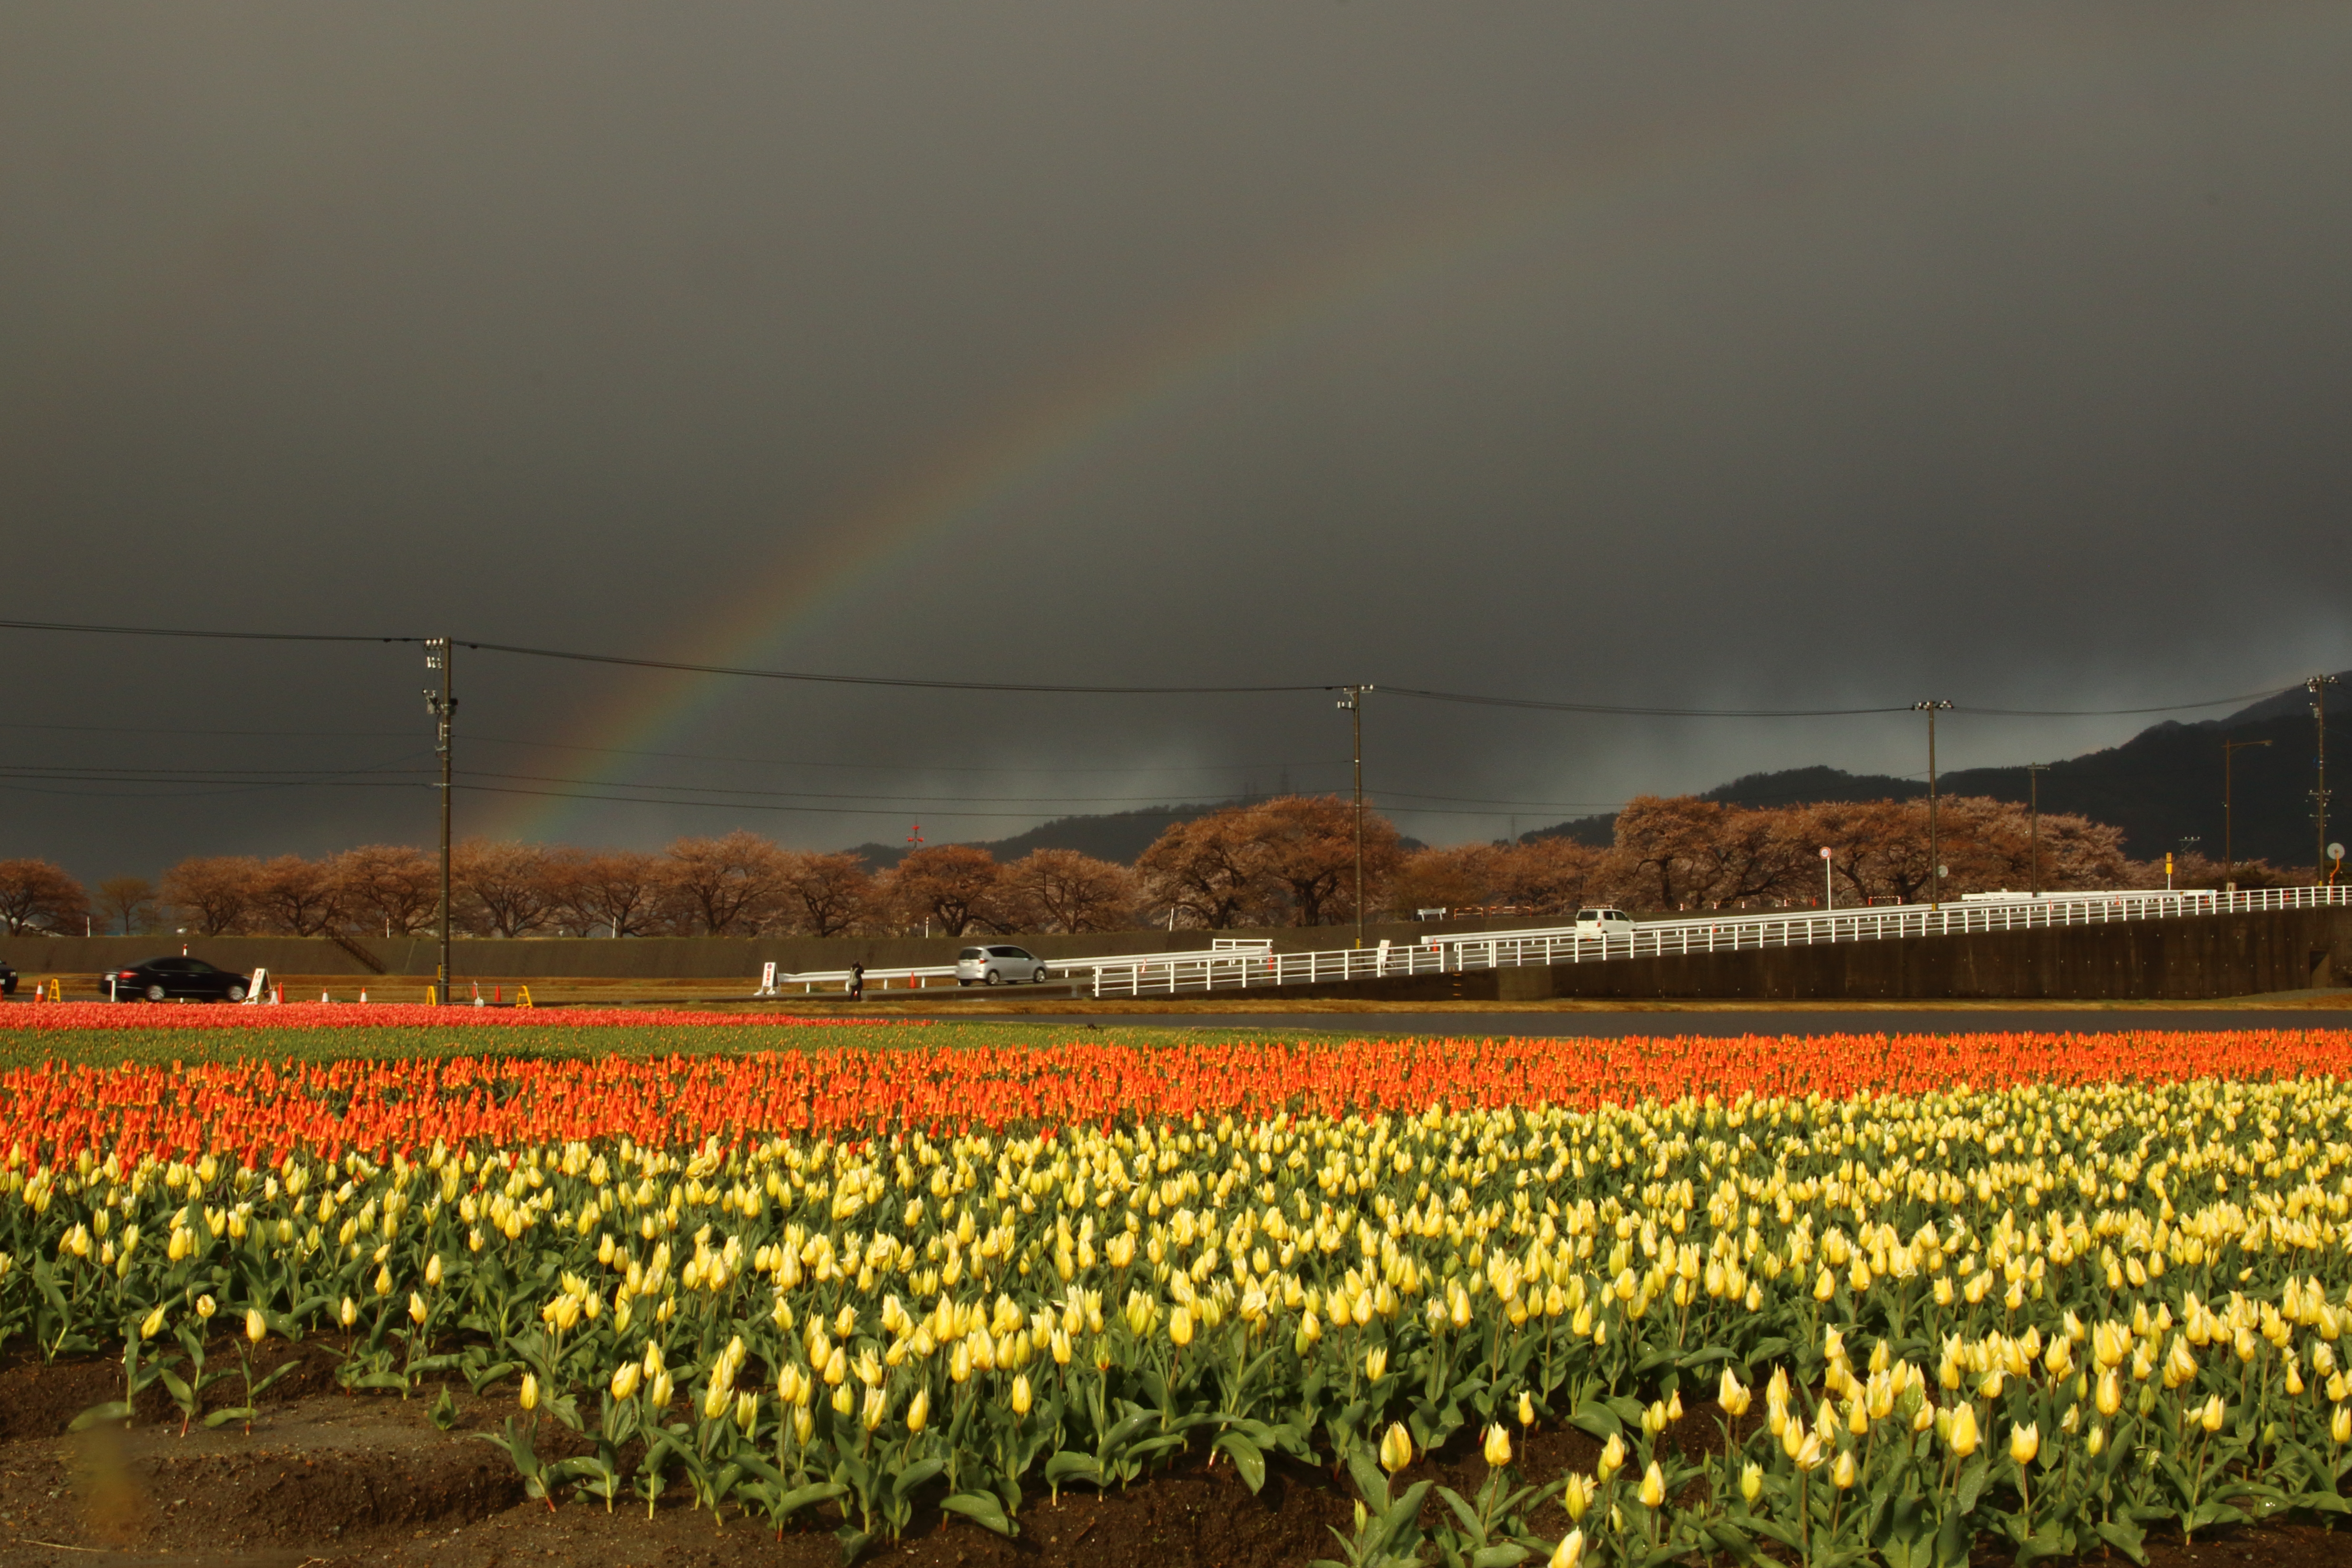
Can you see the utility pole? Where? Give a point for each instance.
(443, 706)
(2230, 750)
(2318, 685)
(1931, 707)
(2033, 772)
(1353, 703)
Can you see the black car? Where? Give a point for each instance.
(168, 979)
(8, 978)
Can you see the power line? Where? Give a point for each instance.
(197, 633)
(686, 668)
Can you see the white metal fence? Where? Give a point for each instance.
(1144, 974)
(1239, 963)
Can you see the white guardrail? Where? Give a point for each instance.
(1236, 964)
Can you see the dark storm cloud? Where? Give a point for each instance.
(1831, 354)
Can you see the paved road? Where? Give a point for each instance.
(1890, 1021)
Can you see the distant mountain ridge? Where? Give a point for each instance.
(2162, 787)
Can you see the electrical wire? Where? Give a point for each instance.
(686, 668)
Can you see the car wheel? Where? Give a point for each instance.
(961, 982)
(154, 993)
(995, 978)
(237, 993)
(1038, 978)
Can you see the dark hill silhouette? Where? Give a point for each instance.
(2161, 787)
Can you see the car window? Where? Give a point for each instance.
(197, 966)
(1014, 952)
(972, 952)
(1587, 914)
(166, 965)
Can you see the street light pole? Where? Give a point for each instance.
(2318, 685)
(1931, 707)
(1353, 702)
(2230, 750)
(2033, 772)
(443, 706)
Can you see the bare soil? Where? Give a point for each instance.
(326, 1478)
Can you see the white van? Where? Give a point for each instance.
(1603, 921)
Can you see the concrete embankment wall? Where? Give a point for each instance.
(2194, 957)
(2185, 959)
(645, 958)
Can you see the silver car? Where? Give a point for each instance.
(999, 965)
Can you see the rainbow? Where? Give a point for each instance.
(1049, 437)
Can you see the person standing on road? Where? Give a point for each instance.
(857, 982)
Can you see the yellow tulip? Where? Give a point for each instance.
(1526, 1409)
(152, 1325)
(1576, 1495)
(1396, 1448)
(1180, 1327)
(1021, 1397)
(1569, 1552)
(1732, 1394)
(625, 1380)
(2024, 1442)
(1842, 1474)
(1654, 1486)
(1963, 1437)
(2340, 1425)
(1612, 1456)
(256, 1327)
(530, 1391)
(2211, 1417)
(1751, 1482)
(918, 1413)
(1498, 1446)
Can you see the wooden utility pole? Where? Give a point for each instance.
(1932, 706)
(443, 706)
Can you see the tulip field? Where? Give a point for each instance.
(1828, 1299)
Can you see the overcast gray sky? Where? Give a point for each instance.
(1790, 357)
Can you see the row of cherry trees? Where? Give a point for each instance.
(1290, 860)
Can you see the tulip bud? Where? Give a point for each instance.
(1180, 1327)
(1376, 1363)
(1396, 1448)
(663, 1391)
(2097, 1444)
(1654, 1486)
(2340, 1425)
(256, 1327)
(417, 1311)
(152, 1325)
(1732, 1394)
(1751, 1483)
(350, 1312)
(1021, 1395)
(2024, 1442)
(1963, 1436)
(918, 1413)
(433, 1271)
(1576, 1495)
(1498, 1445)
(1612, 1456)
(205, 1307)
(2211, 1417)
(625, 1380)
(1526, 1409)
(1842, 1474)
(530, 1391)
(1568, 1554)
